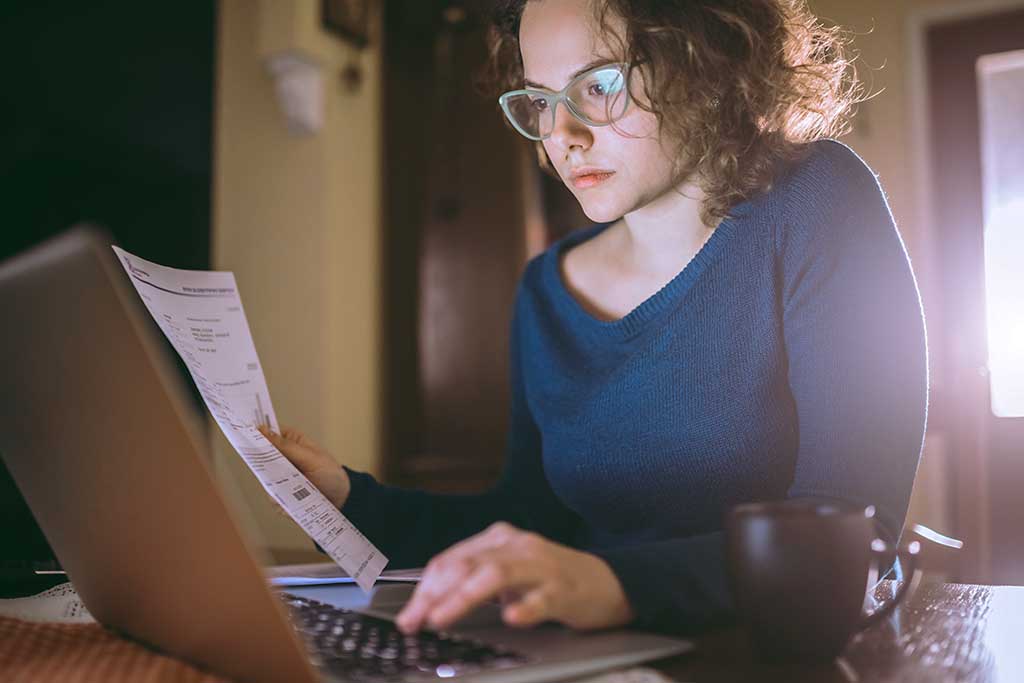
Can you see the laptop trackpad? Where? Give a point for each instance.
(388, 600)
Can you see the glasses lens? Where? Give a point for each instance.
(531, 113)
(600, 96)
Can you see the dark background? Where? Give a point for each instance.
(454, 239)
(105, 117)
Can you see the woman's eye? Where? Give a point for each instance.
(540, 104)
(596, 90)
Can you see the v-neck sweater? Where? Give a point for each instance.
(786, 360)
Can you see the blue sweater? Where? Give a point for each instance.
(786, 360)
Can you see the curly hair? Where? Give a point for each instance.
(739, 86)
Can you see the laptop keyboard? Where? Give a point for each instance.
(359, 646)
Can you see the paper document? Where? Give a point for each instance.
(60, 603)
(325, 573)
(201, 314)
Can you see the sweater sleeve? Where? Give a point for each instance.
(855, 337)
(411, 526)
(855, 343)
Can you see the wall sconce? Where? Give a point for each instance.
(299, 86)
(299, 77)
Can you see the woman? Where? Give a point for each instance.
(740, 324)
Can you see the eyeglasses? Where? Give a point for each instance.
(597, 97)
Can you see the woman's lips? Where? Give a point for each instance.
(586, 180)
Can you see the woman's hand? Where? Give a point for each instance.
(537, 580)
(313, 461)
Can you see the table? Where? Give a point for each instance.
(947, 632)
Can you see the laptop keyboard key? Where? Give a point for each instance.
(361, 647)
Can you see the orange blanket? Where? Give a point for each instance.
(84, 653)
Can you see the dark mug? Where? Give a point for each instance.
(801, 571)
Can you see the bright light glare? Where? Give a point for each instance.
(1004, 294)
(1002, 634)
(1001, 109)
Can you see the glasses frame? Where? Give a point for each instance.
(555, 98)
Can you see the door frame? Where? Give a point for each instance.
(974, 523)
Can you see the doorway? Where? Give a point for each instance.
(987, 452)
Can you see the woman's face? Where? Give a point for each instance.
(611, 172)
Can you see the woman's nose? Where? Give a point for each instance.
(569, 131)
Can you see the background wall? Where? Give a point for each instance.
(297, 219)
(885, 131)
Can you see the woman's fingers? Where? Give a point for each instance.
(297, 437)
(467, 574)
(302, 456)
(270, 435)
(317, 464)
(492, 574)
(534, 607)
(442, 574)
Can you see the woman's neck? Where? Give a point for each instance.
(657, 236)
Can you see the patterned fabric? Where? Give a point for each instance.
(84, 653)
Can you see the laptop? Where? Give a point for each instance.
(98, 433)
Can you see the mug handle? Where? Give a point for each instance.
(908, 560)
